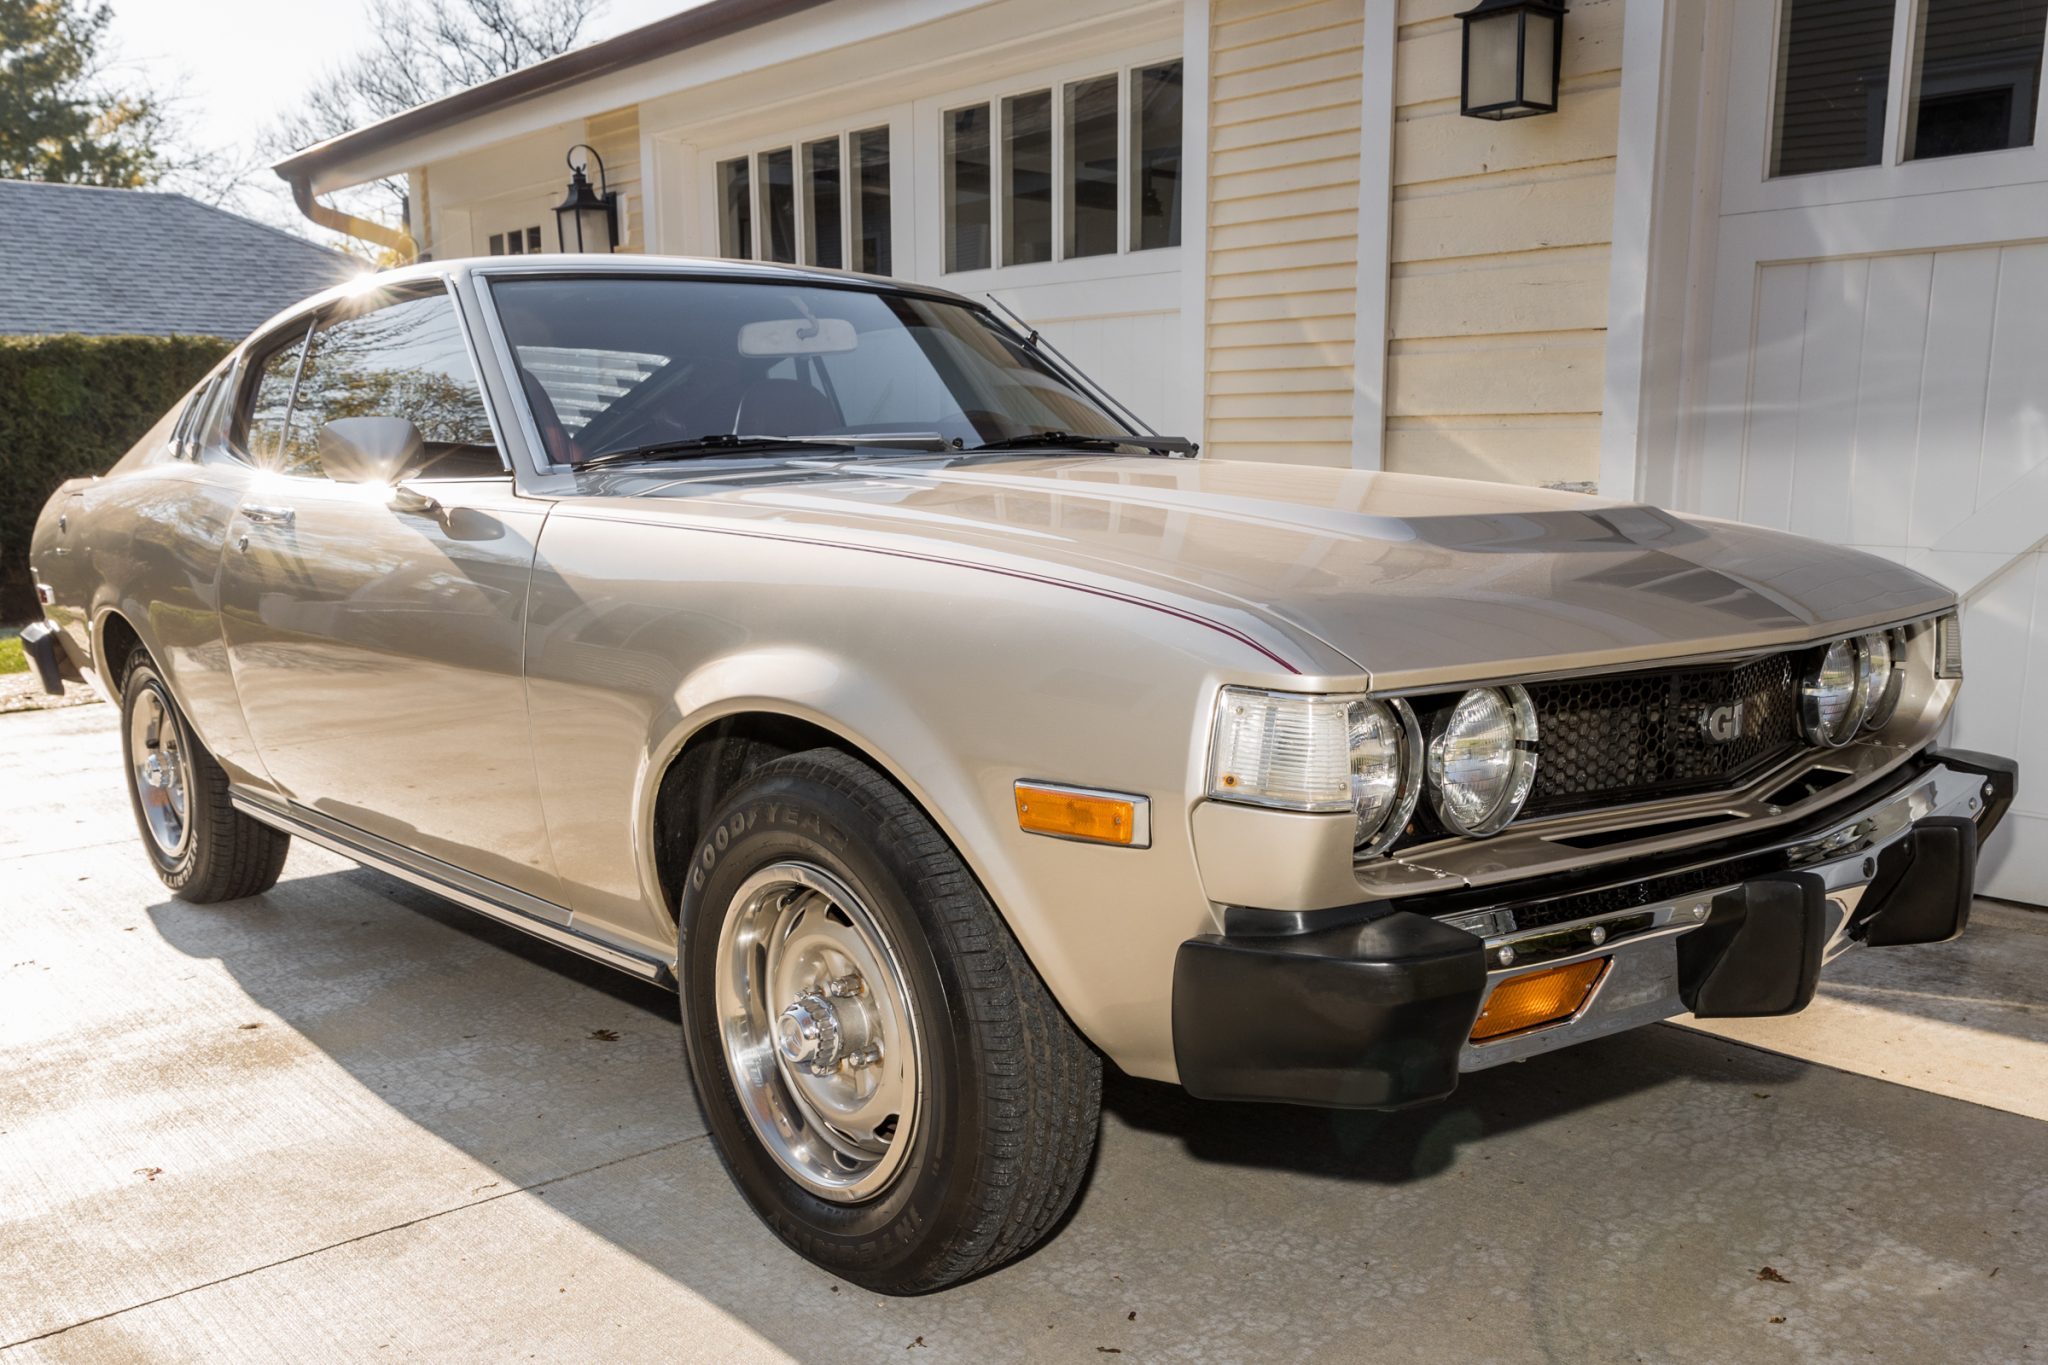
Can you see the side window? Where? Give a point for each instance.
(261, 428)
(406, 359)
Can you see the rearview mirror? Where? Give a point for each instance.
(798, 336)
(370, 449)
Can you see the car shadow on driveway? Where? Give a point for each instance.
(1564, 1185)
(435, 1008)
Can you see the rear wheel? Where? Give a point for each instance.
(201, 846)
(886, 1078)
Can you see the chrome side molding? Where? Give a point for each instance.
(542, 919)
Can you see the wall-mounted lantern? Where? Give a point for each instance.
(1514, 50)
(587, 219)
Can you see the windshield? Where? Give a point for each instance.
(611, 365)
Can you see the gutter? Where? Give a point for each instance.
(396, 240)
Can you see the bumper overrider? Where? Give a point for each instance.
(1379, 1006)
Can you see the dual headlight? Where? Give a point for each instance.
(1854, 686)
(1359, 754)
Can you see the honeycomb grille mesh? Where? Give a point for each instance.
(1608, 740)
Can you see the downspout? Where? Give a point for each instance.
(396, 240)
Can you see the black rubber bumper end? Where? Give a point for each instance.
(1367, 1016)
(1759, 953)
(1924, 886)
(40, 643)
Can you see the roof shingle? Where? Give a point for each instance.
(82, 259)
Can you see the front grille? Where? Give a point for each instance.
(1628, 737)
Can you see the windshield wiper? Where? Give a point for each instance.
(728, 442)
(1044, 440)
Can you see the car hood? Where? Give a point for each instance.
(1413, 579)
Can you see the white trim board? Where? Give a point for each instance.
(1375, 234)
(1641, 147)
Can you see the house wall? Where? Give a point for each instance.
(616, 138)
(1499, 260)
(1284, 99)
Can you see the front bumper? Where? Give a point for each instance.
(1377, 1009)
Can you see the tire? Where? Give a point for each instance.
(203, 849)
(1002, 1119)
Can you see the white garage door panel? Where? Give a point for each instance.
(1898, 404)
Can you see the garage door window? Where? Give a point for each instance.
(823, 201)
(1976, 76)
(1971, 82)
(1087, 168)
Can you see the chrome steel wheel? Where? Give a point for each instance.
(820, 1034)
(163, 772)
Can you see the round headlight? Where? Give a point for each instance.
(1482, 763)
(1385, 748)
(1885, 671)
(1831, 699)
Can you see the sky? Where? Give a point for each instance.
(234, 65)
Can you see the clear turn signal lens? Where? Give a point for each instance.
(1284, 749)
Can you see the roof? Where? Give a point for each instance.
(702, 24)
(79, 259)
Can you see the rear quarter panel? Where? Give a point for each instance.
(145, 541)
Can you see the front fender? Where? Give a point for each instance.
(955, 682)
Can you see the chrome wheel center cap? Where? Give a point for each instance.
(153, 770)
(808, 1033)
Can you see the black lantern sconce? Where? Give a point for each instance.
(1514, 51)
(587, 219)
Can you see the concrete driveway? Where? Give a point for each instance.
(347, 1120)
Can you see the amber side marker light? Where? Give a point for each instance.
(1540, 998)
(1090, 816)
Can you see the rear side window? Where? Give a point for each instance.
(406, 359)
(270, 401)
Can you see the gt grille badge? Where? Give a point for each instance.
(1723, 724)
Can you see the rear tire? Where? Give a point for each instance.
(203, 849)
(819, 880)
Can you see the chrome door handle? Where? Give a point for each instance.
(270, 516)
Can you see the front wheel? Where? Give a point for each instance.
(885, 1076)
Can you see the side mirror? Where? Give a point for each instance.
(370, 449)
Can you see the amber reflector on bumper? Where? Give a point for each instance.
(1066, 813)
(1526, 1002)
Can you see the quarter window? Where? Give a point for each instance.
(822, 202)
(270, 401)
(1087, 168)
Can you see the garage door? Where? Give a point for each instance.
(1877, 374)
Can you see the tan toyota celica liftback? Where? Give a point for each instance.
(830, 651)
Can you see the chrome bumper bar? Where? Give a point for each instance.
(1642, 983)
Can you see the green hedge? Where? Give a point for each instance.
(72, 405)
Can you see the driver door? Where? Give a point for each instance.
(375, 641)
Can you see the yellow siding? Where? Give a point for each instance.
(1498, 308)
(1285, 78)
(616, 136)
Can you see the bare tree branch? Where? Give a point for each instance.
(419, 51)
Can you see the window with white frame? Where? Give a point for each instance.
(822, 202)
(1087, 168)
(517, 242)
(1971, 80)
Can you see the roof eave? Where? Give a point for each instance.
(693, 27)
